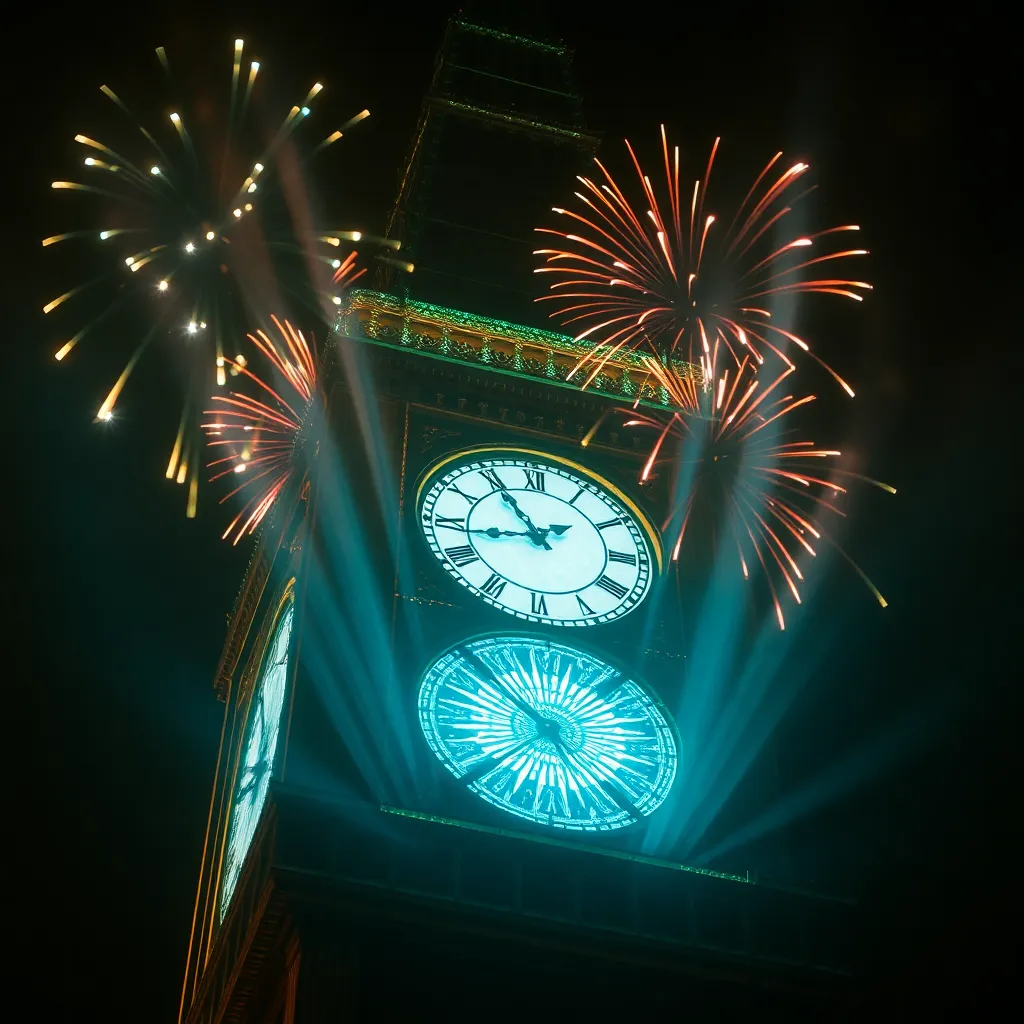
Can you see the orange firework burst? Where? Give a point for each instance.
(671, 282)
(259, 437)
(737, 459)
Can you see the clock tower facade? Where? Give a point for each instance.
(451, 767)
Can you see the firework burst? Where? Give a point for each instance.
(676, 282)
(194, 236)
(737, 462)
(258, 435)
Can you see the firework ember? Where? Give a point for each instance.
(186, 226)
(665, 275)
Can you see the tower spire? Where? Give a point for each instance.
(500, 138)
(526, 18)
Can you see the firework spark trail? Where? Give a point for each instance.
(772, 491)
(670, 282)
(170, 239)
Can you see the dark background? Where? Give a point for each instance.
(117, 603)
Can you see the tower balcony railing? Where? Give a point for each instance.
(499, 346)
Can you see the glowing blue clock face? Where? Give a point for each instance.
(548, 733)
(256, 759)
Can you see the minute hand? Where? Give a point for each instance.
(537, 536)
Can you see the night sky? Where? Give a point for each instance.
(117, 603)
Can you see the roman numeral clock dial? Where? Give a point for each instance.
(538, 537)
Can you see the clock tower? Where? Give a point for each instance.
(452, 766)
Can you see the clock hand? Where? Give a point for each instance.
(606, 782)
(493, 531)
(536, 535)
(488, 674)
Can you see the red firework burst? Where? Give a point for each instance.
(741, 459)
(258, 437)
(670, 282)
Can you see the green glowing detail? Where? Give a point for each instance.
(472, 322)
(507, 37)
(565, 844)
(516, 121)
(500, 346)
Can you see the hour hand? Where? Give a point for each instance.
(493, 531)
(540, 533)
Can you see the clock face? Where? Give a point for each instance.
(256, 759)
(538, 537)
(548, 733)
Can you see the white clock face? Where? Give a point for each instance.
(256, 758)
(539, 538)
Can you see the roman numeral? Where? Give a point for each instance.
(584, 607)
(534, 479)
(493, 479)
(494, 585)
(572, 500)
(622, 556)
(611, 522)
(451, 524)
(537, 604)
(462, 494)
(613, 588)
(461, 555)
